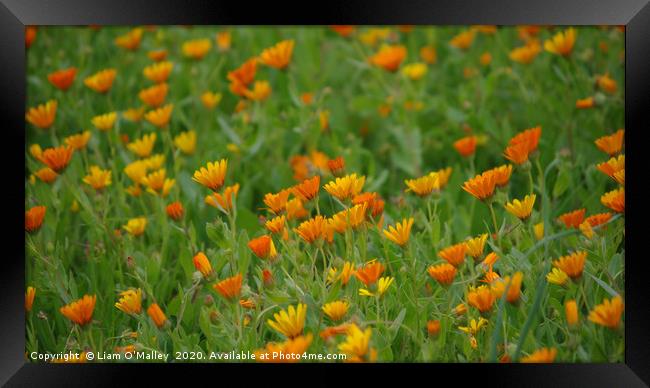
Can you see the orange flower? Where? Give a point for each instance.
(344, 31)
(573, 219)
(433, 327)
(389, 57)
(157, 55)
(517, 153)
(486, 58)
(443, 273)
(466, 146)
(78, 141)
(30, 35)
(157, 316)
(313, 229)
(223, 201)
(243, 76)
(612, 166)
(611, 144)
(158, 72)
(34, 218)
(502, 174)
(454, 254)
(561, 43)
(481, 186)
(261, 91)
(175, 210)
(276, 225)
(308, 189)
(278, 56)
(277, 202)
(62, 79)
(134, 114)
(229, 288)
(46, 175)
(202, 264)
(348, 218)
(463, 40)
(614, 200)
(572, 264)
(530, 137)
(490, 259)
(196, 49)
(428, 54)
(160, 117)
(263, 247)
(267, 277)
(29, 298)
(43, 115)
(154, 96)
(336, 166)
(213, 175)
(585, 103)
(525, 54)
(606, 83)
(608, 313)
(369, 272)
(571, 312)
(543, 355)
(482, 298)
(130, 40)
(223, 39)
(512, 285)
(598, 219)
(57, 158)
(102, 81)
(375, 203)
(80, 311)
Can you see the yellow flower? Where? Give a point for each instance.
(159, 71)
(130, 40)
(43, 115)
(614, 200)
(348, 218)
(136, 171)
(135, 226)
(336, 310)
(557, 276)
(415, 71)
(276, 225)
(474, 246)
(186, 142)
(291, 322)
(373, 35)
(223, 201)
(423, 186)
(98, 178)
(571, 312)
(104, 122)
(102, 81)
(80, 311)
(160, 117)
(538, 229)
(357, 345)
(345, 187)
(561, 43)
(210, 100)
(612, 167)
(261, 91)
(278, 56)
(78, 141)
(586, 229)
(544, 355)
(130, 301)
(572, 264)
(382, 286)
(143, 146)
(276, 202)
(324, 119)
(213, 175)
(400, 233)
(474, 326)
(196, 49)
(521, 209)
(608, 313)
(443, 177)
(157, 183)
(154, 96)
(389, 57)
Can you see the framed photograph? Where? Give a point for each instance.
(406, 187)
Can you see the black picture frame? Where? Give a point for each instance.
(634, 14)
